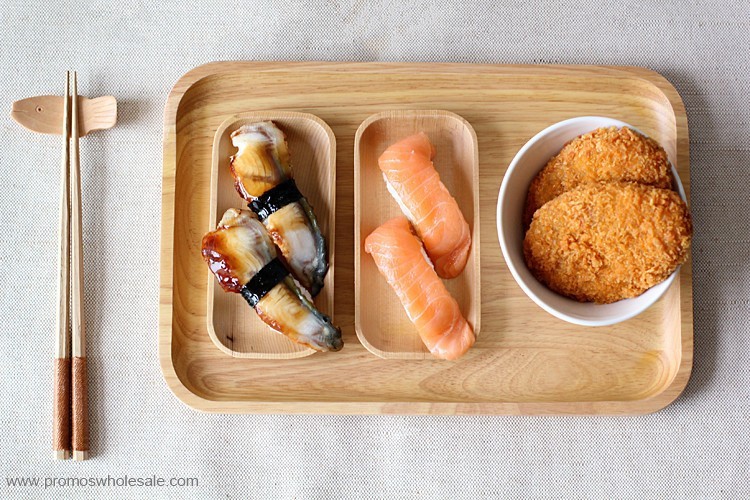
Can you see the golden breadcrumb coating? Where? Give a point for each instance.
(604, 155)
(609, 241)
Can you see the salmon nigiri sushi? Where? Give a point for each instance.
(415, 184)
(400, 257)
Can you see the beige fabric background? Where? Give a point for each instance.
(696, 448)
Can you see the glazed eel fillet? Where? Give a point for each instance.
(242, 256)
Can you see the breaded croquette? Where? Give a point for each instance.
(608, 241)
(604, 155)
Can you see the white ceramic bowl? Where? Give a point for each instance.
(532, 157)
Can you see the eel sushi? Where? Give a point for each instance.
(242, 256)
(262, 174)
(400, 257)
(415, 184)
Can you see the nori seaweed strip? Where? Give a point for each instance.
(275, 199)
(259, 285)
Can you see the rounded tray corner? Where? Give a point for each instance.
(295, 351)
(382, 354)
(175, 384)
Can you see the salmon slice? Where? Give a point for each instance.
(415, 184)
(401, 260)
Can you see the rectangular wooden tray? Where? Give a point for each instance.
(525, 361)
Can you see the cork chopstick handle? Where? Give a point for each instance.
(80, 409)
(61, 444)
(80, 372)
(61, 432)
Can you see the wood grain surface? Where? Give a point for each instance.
(525, 361)
(380, 321)
(233, 326)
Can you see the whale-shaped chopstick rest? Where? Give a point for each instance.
(44, 114)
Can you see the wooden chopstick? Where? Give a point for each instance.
(80, 372)
(61, 433)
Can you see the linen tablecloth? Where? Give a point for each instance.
(696, 448)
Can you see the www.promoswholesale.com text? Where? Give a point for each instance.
(94, 481)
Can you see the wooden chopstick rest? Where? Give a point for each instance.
(44, 113)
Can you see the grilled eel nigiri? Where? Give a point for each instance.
(242, 257)
(262, 174)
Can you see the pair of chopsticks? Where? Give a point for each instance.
(70, 424)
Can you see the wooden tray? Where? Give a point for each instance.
(525, 361)
(232, 325)
(380, 321)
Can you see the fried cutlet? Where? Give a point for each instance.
(608, 241)
(604, 155)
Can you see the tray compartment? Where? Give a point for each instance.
(232, 325)
(380, 320)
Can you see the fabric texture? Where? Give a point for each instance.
(696, 448)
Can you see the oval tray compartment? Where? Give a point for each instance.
(233, 325)
(380, 320)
